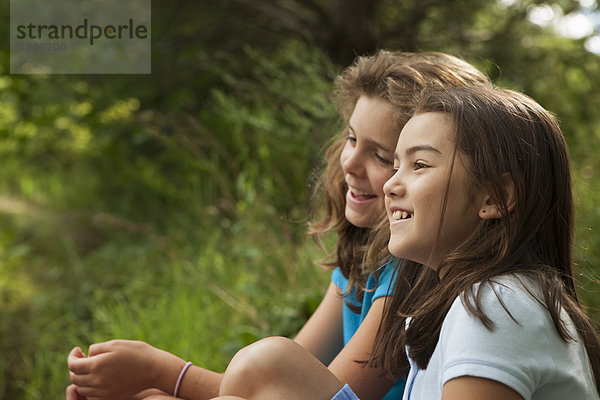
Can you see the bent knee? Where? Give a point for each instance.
(263, 355)
(256, 365)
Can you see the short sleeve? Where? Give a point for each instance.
(523, 350)
(386, 281)
(339, 280)
(506, 353)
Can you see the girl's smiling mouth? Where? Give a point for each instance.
(398, 215)
(359, 194)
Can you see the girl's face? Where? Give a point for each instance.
(367, 159)
(415, 194)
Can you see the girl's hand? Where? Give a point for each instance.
(114, 369)
(152, 394)
(72, 394)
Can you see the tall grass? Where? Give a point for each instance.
(203, 300)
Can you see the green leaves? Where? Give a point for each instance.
(128, 201)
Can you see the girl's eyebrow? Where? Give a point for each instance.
(420, 147)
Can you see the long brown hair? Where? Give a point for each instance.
(396, 78)
(503, 135)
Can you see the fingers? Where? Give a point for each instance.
(91, 392)
(80, 380)
(77, 353)
(80, 367)
(99, 348)
(77, 361)
(112, 345)
(71, 393)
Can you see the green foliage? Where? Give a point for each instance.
(120, 217)
(184, 310)
(170, 208)
(173, 297)
(280, 113)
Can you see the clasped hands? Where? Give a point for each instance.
(115, 370)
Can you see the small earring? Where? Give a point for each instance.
(483, 211)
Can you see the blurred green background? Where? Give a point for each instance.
(171, 207)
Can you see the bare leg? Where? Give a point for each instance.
(278, 368)
(167, 397)
(228, 398)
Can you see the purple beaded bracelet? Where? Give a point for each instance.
(181, 374)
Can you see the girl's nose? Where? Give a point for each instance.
(352, 162)
(394, 187)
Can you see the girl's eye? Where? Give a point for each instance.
(420, 165)
(351, 139)
(383, 159)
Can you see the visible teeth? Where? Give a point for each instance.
(398, 215)
(357, 192)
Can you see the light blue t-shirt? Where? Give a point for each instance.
(383, 287)
(525, 353)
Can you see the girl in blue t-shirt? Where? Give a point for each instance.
(480, 203)
(374, 96)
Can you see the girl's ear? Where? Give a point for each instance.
(490, 210)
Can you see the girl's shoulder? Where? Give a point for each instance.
(389, 268)
(507, 303)
(520, 346)
(514, 291)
